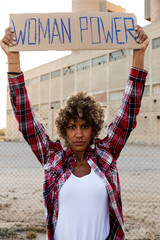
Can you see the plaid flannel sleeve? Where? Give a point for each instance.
(125, 121)
(29, 126)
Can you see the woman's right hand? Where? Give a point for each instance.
(8, 40)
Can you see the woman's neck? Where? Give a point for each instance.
(80, 157)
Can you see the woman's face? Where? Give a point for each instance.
(79, 135)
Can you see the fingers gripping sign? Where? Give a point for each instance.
(8, 40)
(141, 37)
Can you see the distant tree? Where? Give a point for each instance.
(2, 132)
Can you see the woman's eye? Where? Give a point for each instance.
(71, 127)
(85, 126)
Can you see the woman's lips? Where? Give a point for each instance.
(79, 143)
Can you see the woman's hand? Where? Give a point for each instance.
(141, 37)
(7, 41)
(138, 54)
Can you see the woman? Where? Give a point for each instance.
(81, 188)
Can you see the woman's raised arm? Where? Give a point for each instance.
(13, 57)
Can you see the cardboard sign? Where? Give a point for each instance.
(73, 31)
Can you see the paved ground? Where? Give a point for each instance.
(21, 180)
(133, 157)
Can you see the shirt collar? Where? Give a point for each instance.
(71, 157)
(70, 154)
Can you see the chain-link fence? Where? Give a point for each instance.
(21, 179)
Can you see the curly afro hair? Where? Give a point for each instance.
(84, 106)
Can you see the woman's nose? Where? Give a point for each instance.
(78, 132)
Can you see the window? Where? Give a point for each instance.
(36, 107)
(35, 80)
(100, 97)
(115, 95)
(146, 91)
(117, 55)
(156, 89)
(83, 65)
(99, 61)
(27, 82)
(55, 105)
(69, 70)
(64, 102)
(156, 43)
(44, 107)
(44, 77)
(56, 74)
(131, 52)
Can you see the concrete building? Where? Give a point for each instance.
(102, 73)
(95, 6)
(152, 10)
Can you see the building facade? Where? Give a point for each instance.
(101, 73)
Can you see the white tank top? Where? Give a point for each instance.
(83, 209)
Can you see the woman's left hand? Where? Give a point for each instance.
(141, 37)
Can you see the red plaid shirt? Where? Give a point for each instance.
(59, 163)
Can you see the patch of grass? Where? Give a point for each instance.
(31, 235)
(16, 233)
(7, 234)
(41, 229)
(38, 229)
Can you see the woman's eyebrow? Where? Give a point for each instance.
(85, 123)
(71, 123)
